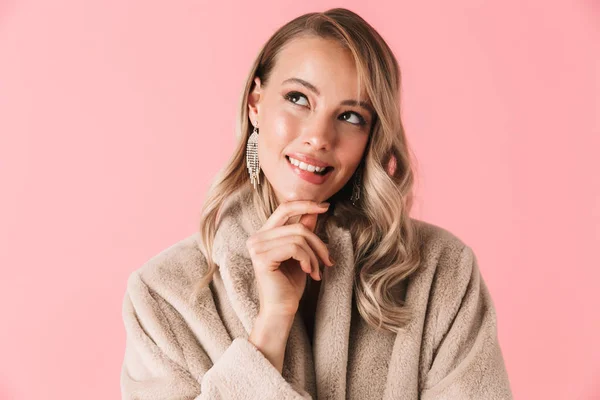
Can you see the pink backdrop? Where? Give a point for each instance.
(114, 116)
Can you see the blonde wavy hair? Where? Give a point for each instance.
(383, 234)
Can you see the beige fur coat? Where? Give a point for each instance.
(176, 349)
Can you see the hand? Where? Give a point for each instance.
(283, 254)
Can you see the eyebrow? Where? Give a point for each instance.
(314, 89)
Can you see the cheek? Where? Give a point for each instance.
(352, 150)
(284, 125)
(278, 130)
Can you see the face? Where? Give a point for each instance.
(310, 111)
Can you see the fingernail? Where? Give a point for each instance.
(324, 204)
(331, 261)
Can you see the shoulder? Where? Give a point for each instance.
(436, 241)
(172, 272)
(445, 257)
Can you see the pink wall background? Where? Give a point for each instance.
(115, 115)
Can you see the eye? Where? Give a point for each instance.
(358, 118)
(291, 96)
(295, 96)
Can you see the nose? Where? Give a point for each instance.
(319, 134)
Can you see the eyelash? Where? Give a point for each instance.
(294, 94)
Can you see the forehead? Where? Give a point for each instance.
(323, 62)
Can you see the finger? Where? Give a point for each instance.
(274, 257)
(298, 229)
(267, 245)
(289, 209)
(309, 220)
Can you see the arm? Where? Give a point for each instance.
(155, 365)
(270, 335)
(468, 362)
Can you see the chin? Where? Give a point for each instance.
(296, 194)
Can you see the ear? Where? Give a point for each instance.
(254, 100)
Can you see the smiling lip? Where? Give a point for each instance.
(308, 160)
(307, 175)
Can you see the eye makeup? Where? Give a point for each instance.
(295, 94)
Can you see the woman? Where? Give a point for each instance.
(302, 299)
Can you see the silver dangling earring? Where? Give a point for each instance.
(252, 157)
(356, 188)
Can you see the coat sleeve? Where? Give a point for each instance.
(155, 367)
(468, 361)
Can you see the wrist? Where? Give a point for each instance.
(269, 335)
(271, 328)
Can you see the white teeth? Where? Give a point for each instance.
(304, 166)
